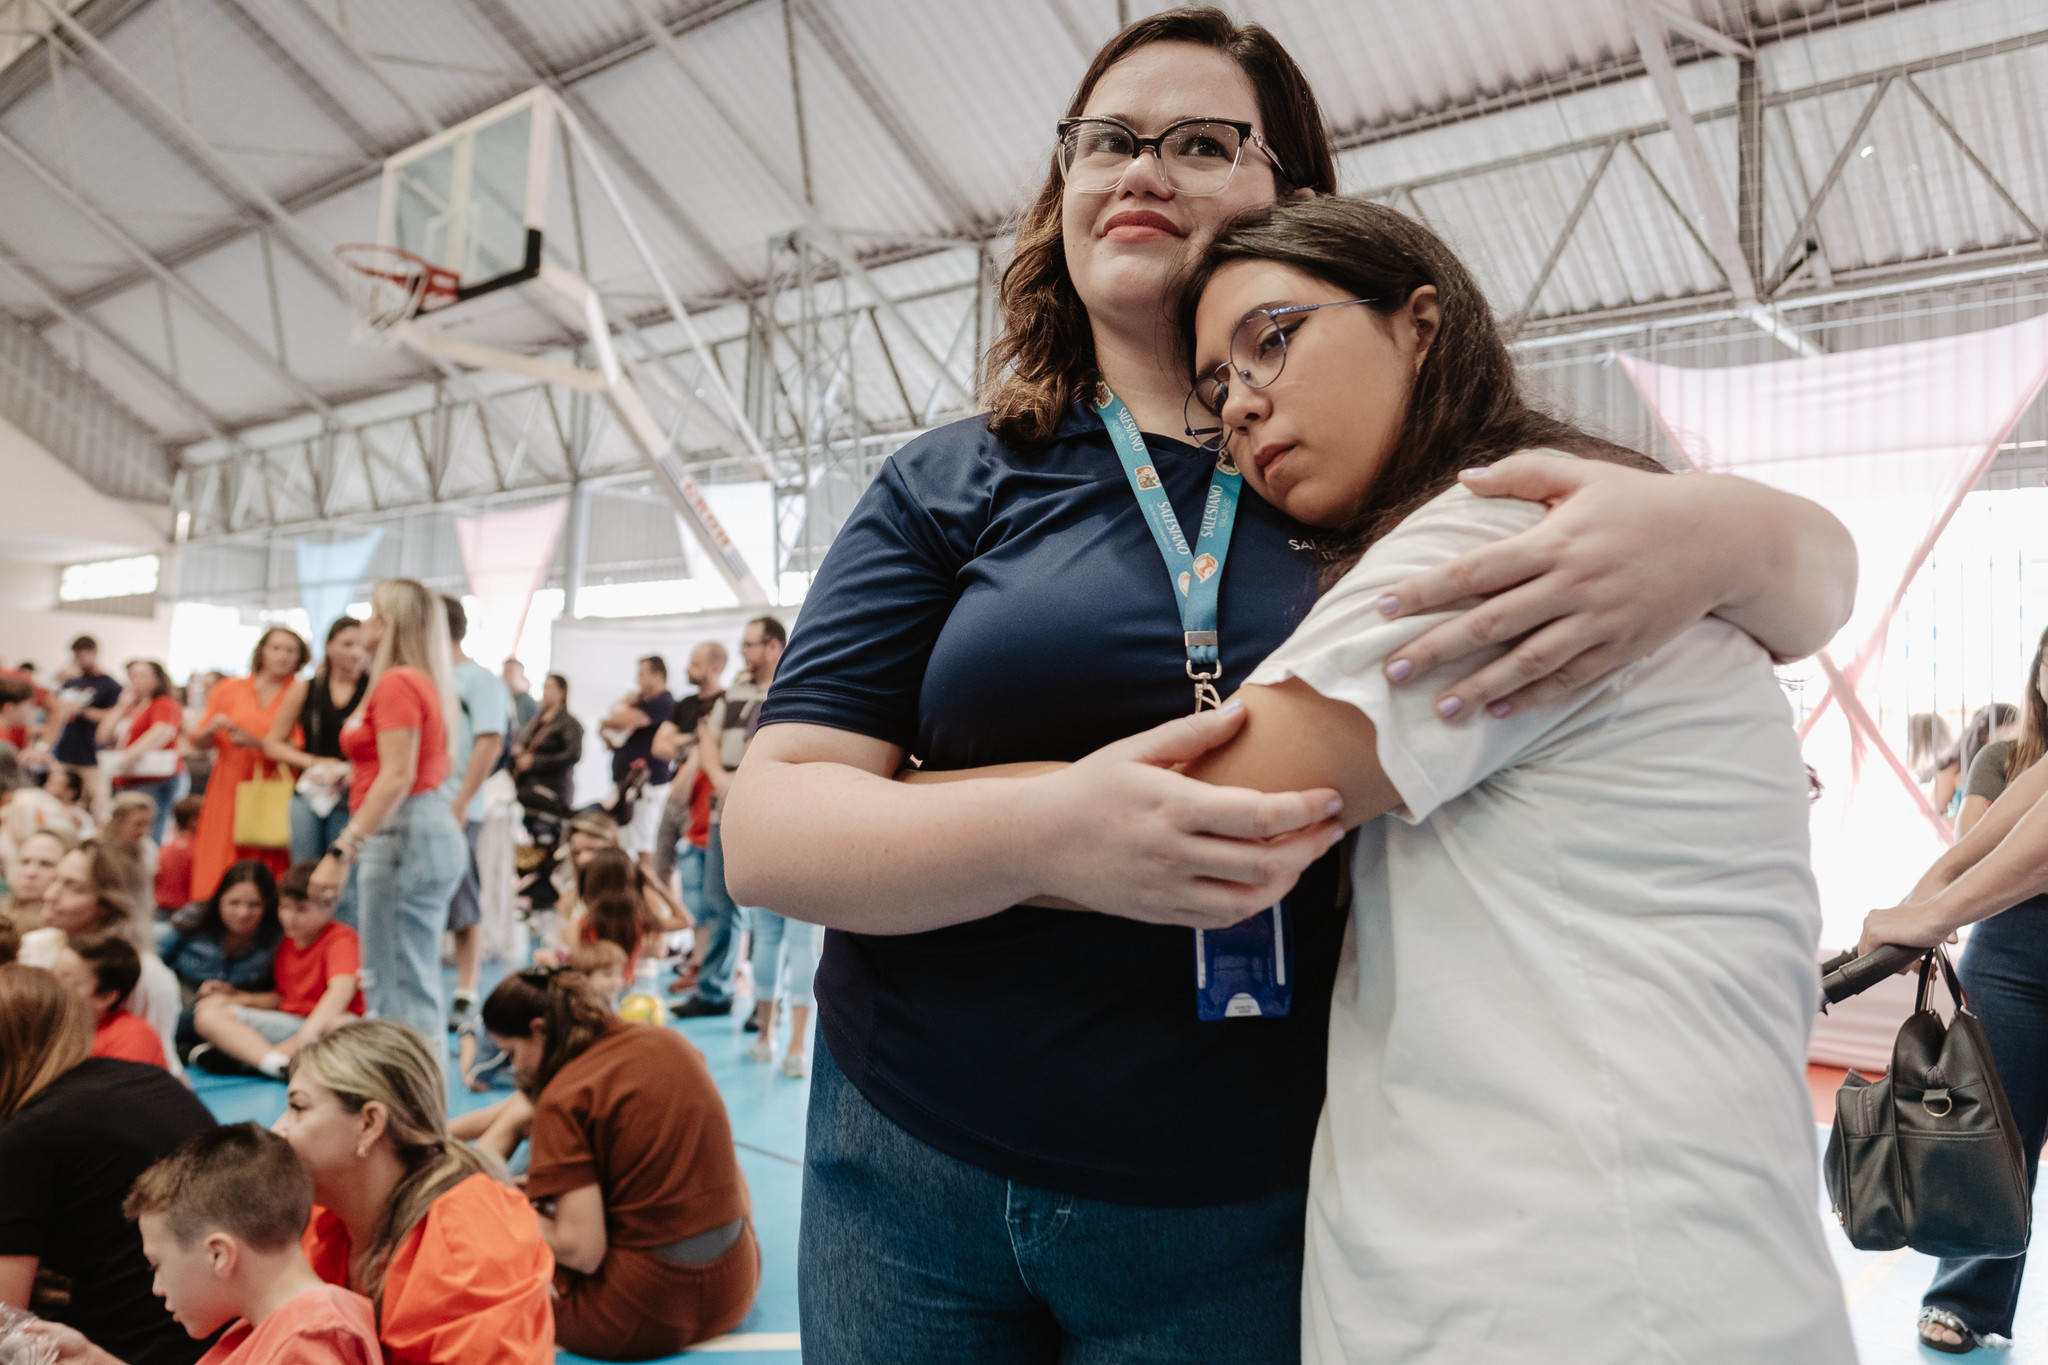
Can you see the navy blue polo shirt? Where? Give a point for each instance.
(640, 744)
(988, 606)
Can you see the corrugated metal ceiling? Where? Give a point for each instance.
(922, 120)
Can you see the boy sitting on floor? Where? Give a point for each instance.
(102, 971)
(221, 1218)
(316, 969)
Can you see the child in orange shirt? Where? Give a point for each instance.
(316, 971)
(174, 859)
(221, 1218)
(102, 971)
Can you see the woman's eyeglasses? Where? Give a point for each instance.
(1196, 156)
(1258, 352)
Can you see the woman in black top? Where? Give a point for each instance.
(550, 746)
(318, 708)
(75, 1131)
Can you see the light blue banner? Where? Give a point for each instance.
(328, 574)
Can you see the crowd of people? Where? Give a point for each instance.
(282, 912)
(1491, 1043)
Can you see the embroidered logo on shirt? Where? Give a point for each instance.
(1148, 477)
(1204, 566)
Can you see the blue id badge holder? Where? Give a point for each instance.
(1247, 970)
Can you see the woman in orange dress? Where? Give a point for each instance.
(238, 715)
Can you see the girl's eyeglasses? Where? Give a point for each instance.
(1258, 352)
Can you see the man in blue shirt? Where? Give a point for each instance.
(84, 697)
(479, 740)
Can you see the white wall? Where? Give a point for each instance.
(44, 637)
(52, 516)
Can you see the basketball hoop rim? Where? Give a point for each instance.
(432, 284)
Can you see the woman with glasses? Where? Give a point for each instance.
(1042, 1127)
(1568, 1042)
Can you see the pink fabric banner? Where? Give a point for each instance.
(506, 555)
(1889, 439)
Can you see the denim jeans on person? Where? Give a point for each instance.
(2005, 975)
(909, 1256)
(409, 870)
(165, 793)
(720, 924)
(773, 933)
(311, 836)
(689, 870)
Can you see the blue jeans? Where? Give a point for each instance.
(165, 793)
(2005, 975)
(718, 921)
(772, 933)
(408, 871)
(690, 877)
(907, 1255)
(311, 835)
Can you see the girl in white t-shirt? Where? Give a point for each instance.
(1567, 1116)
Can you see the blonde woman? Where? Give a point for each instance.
(421, 1223)
(75, 1131)
(411, 849)
(91, 893)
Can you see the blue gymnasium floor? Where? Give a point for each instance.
(1882, 1289)
(767, 1110)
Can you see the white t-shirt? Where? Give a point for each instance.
(1567, 1115)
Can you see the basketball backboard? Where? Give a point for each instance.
(473, 199)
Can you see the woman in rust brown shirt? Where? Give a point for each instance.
(634, 1173)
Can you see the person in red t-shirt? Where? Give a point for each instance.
(221, 1220)
(141, 730)
(411, 845)
(316, 970)
(20, 697)
(103, 971)
(174, 859)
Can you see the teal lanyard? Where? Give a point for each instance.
(1197, 573)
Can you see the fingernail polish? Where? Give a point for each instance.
(1499, 708)
(1448, 707)
(1390, 605)
(1399, 670)
(1336, 804)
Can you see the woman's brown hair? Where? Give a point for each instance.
(256, 654)
(161, 686)
(45, 1030)
(2033, 741)
(575, 1013)
(116, 870)
(614, 874)
(1466, 407)
(1045, 354)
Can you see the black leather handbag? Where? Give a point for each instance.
(1928, 1156)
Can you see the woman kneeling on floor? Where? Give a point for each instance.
(633, 1169)
(421, 1224)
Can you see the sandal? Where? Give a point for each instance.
(1937, 1317)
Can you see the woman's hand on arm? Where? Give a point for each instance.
(1294, 738)
(576, 1233)
(1624, 561)
(815, 828)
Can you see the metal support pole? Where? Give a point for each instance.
(579, 549)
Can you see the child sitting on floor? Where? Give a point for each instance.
(604, 963)
(102, 970)
(317, 965)
(221, 1218)
(174, 859)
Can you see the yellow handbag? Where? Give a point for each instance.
(263, 809)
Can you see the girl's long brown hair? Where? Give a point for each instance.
(1045, 354)
(1466, 407)
(2033, 740)
(575, 1013)
(45, 1030)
